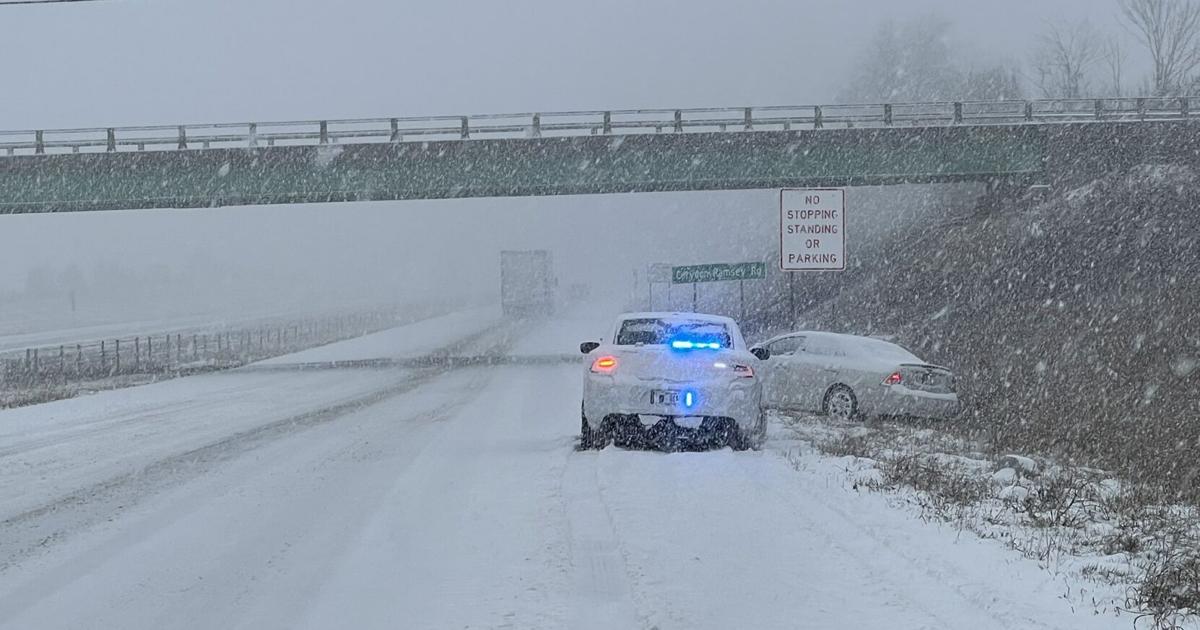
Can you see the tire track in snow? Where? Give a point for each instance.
(32, 531)
(600, 573)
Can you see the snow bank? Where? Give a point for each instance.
(412, 340)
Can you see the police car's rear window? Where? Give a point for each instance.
(653, 331)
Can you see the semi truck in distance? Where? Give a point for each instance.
(527, 283)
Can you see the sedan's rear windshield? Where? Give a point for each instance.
(655, 331)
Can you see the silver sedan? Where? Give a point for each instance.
(848, 376)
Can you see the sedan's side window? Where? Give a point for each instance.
(786, 346)
(825, 348)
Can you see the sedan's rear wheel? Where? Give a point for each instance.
(840, 403)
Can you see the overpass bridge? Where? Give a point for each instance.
(560, 153)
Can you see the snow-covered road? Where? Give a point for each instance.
(407, 499)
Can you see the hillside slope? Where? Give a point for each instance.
(1074, 322)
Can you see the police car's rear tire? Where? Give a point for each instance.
(590, 438)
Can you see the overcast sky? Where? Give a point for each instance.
(171, 61)
(125, 62)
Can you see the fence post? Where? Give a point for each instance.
(395, 130)
(958, 114)
(818, 117)
(103, 357)
(252, 135)
(39, 142)
(1028, 111)
(28, 359)
(748, 121)
(1185, 106)
(112, 140)
(537, 126)
(78, 359)
(182, 137)
(116, 356)
(62, 363)
(178, 347)
(150, 352)
(607, 123)
(137, 353)
(36, 363)
(887, 114)
(1099, 109)
(466, 129)
(678, 121)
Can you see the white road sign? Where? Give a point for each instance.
(812, 229)
(659, 272)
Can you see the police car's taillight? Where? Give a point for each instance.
(744, 371)
(604, 365)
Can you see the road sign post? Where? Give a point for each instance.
(658, 272)
(742, 300)
(812, 229)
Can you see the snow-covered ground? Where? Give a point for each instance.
(414, 499)
(19, 333)
(414, 340)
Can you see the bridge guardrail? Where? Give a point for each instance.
(582, 123)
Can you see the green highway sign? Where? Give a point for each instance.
(718, 272)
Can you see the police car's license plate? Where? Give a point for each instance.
(664, 397)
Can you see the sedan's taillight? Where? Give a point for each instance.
(744, 371)
(604, 365)
(893, 379)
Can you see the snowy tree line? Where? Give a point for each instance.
(915, 61)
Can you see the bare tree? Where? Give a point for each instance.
(1170, 30)
(993, 83)
(908, 61)
(1064, 59)
(1114, 55)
